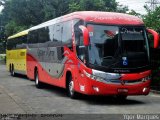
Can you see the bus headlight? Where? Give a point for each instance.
(97, 78)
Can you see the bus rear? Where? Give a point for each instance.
(16, 53)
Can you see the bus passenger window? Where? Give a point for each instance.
(67, 34)
(80, 46)
(51, 32)
(57, 36)
(43, 35)
(33, 37)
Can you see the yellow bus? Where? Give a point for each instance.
(16, 53)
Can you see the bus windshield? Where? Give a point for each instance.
(118, 46)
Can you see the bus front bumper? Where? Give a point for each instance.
(92, 87)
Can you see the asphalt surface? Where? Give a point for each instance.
(19, 95)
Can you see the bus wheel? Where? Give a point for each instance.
(38, 84)
(70, 88)
(12, 71)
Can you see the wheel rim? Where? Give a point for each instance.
(71, 88)
(37, 81)
(12, 71)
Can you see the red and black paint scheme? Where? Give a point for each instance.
(93, 53)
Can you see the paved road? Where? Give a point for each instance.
(19, 95)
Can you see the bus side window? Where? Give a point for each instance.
(14, 42)
(67, 34)
(43, 35)
(57, 36)
(9, 44)
(33, 39)
(21, 42)
(51, 32)
(57, 41)
(78, 32)
(80, 48)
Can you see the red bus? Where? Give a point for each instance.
(93, 53)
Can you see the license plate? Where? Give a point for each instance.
(122, 90)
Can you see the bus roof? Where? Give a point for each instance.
(112, 18)
(22, 33)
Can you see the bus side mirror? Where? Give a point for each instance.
(85, 33)
(156, 37)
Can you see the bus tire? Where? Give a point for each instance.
(70, 88)
(12, 71)
(38, 84)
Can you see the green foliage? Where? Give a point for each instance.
(22, 14)
(132, 12)
(12, 28)
(152, 19)
(2, 56)
(96, 5)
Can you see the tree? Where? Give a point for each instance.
(18, 15)
(97, 5)
(132, 12)
(152, 19)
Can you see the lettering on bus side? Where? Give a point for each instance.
(51, 53)
(121, 71)
(41, 53)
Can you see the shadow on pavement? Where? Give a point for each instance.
(96, 100)
(93, 100)
(21, 76)
(109, 100)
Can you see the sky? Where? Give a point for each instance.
(136, 5)
(1, 7)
